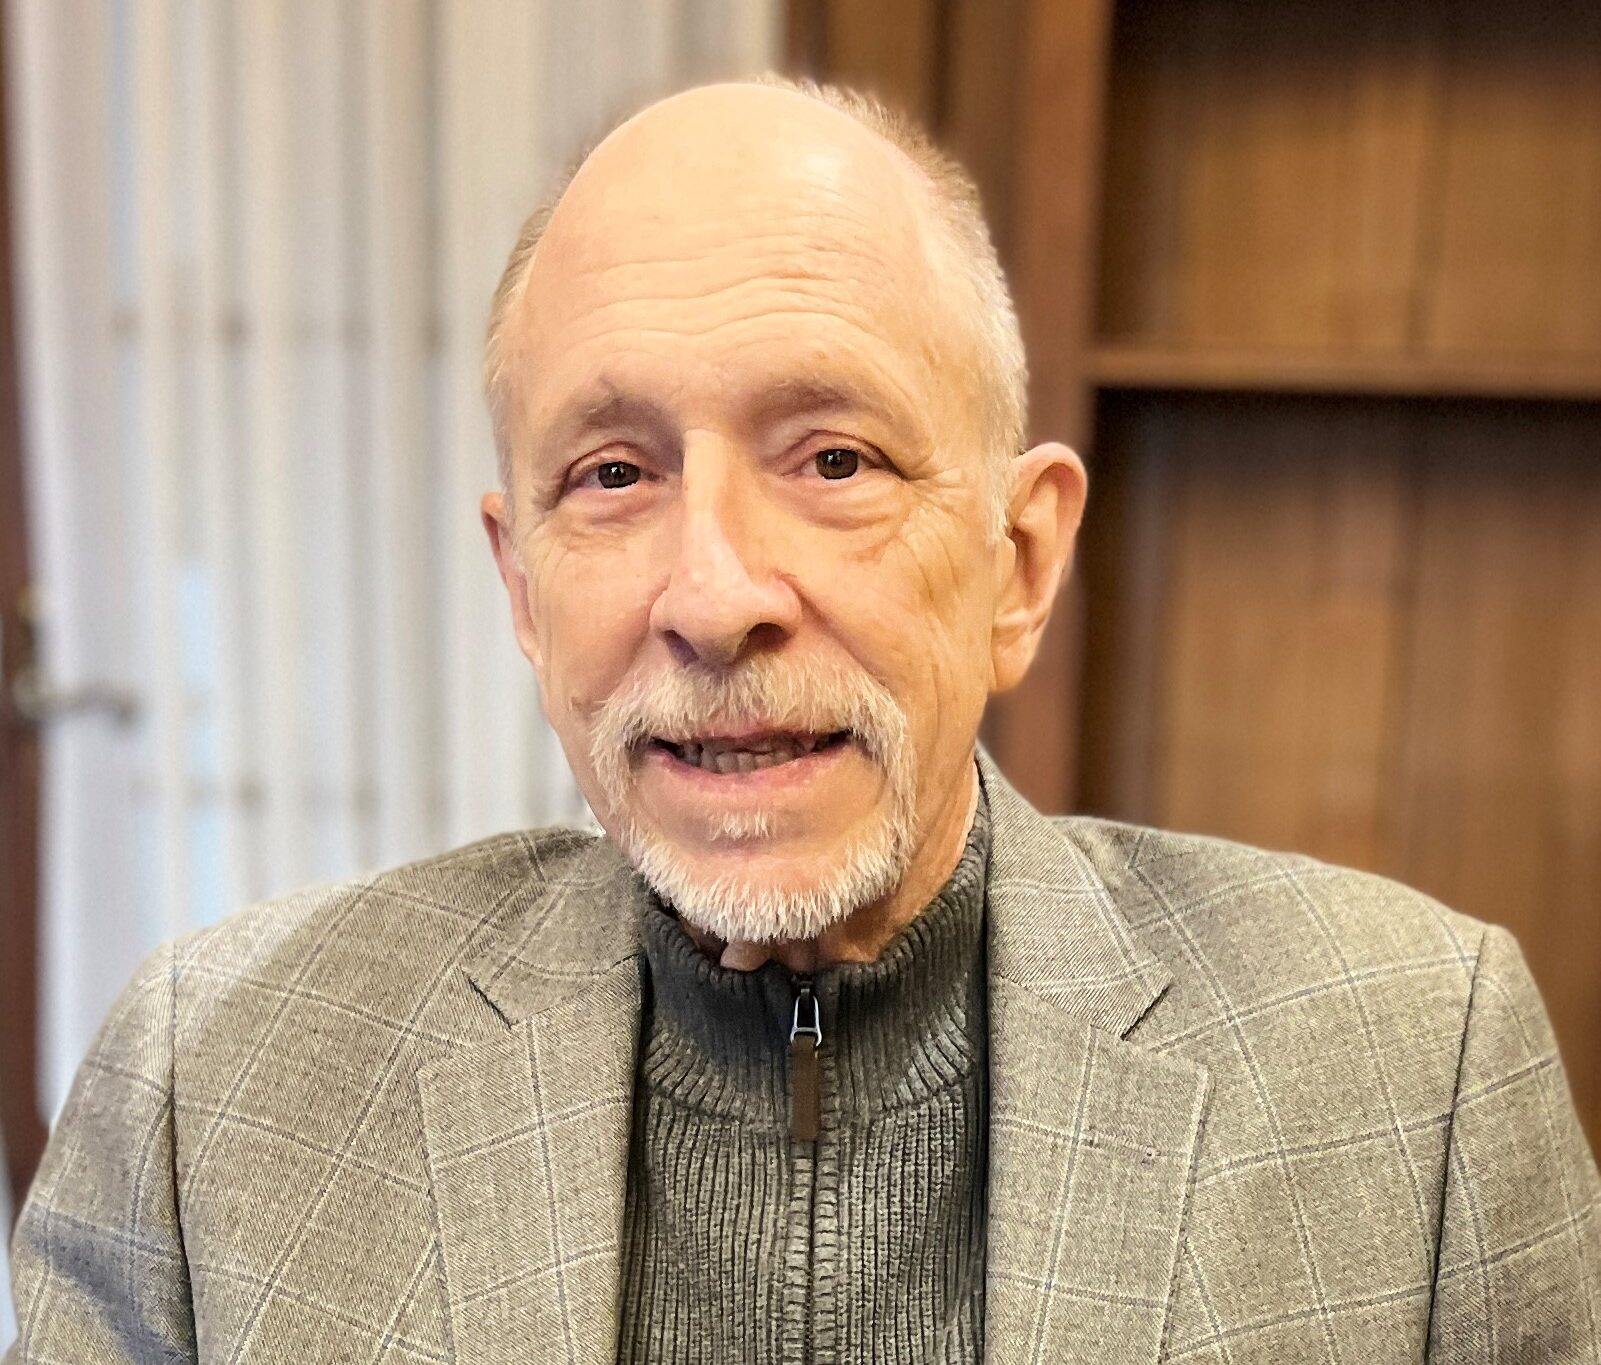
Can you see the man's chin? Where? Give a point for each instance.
(740, 889)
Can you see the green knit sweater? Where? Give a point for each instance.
(746, 1243)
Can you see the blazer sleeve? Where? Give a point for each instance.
(1518, 1277)
(98, 1263)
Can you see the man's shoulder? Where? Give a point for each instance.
(1242, 922)
(382, 943)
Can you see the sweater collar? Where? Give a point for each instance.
(895, 1030)
(1059, 905)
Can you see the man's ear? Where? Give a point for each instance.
(503, 545)
(1047, 502)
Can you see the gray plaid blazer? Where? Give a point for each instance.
(1245, 1107)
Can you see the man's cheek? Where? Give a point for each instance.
(926, 566)
(543, 557)
(595, 621)
(557, 601)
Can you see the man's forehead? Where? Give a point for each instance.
(752, 177)
(608, 403)
(749, 221)
(746, 139)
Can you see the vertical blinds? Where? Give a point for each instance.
(256, 243)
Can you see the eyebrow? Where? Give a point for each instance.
(797, 397)
(604, 407)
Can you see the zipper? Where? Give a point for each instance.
(805, 1037)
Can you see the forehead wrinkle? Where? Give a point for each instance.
(676, 238)
(795, 325)
(836, 224)
(854, 268)
(617, 270)
(820, 315)
(813, 313)
(781, 390)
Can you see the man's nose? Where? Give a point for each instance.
(725, 595)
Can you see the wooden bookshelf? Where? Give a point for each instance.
(1138, 366)
(1343, 593)
(1315, 286)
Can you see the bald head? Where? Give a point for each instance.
(697, 154)
(757, 177)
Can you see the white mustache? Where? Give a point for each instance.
(764, 693)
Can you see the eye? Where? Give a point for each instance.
(837, 462)
(616, 474)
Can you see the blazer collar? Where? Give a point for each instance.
(1055, 929)
(1093, 1139)
(527, 1130)
(559, 932)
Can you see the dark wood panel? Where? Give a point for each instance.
(893, 48)
(1498, 778)
(1124, 567)
(1263, 629)
(1034, 731)
(804, 38)
(1356, 178)
(1282, 630)
(981, 104)
(1518, 261)
(1267, 172)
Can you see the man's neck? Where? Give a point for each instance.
(862, 936)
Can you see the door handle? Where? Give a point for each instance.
(38, 700)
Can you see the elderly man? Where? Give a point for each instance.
(833, 1049)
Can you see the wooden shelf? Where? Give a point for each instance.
(1142, 366)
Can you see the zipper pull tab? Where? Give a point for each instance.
(805, 1037)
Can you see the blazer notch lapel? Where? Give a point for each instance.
(1055, 922)
(527, 1146)
(569, 924)
(1093, 1144)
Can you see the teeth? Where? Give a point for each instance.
(718, 756)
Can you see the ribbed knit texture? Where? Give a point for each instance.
(745, 1244)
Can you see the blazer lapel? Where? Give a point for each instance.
(1092, 1138)
(527, 1131)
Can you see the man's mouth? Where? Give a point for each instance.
(748, 753)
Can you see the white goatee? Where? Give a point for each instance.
(780, 695)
